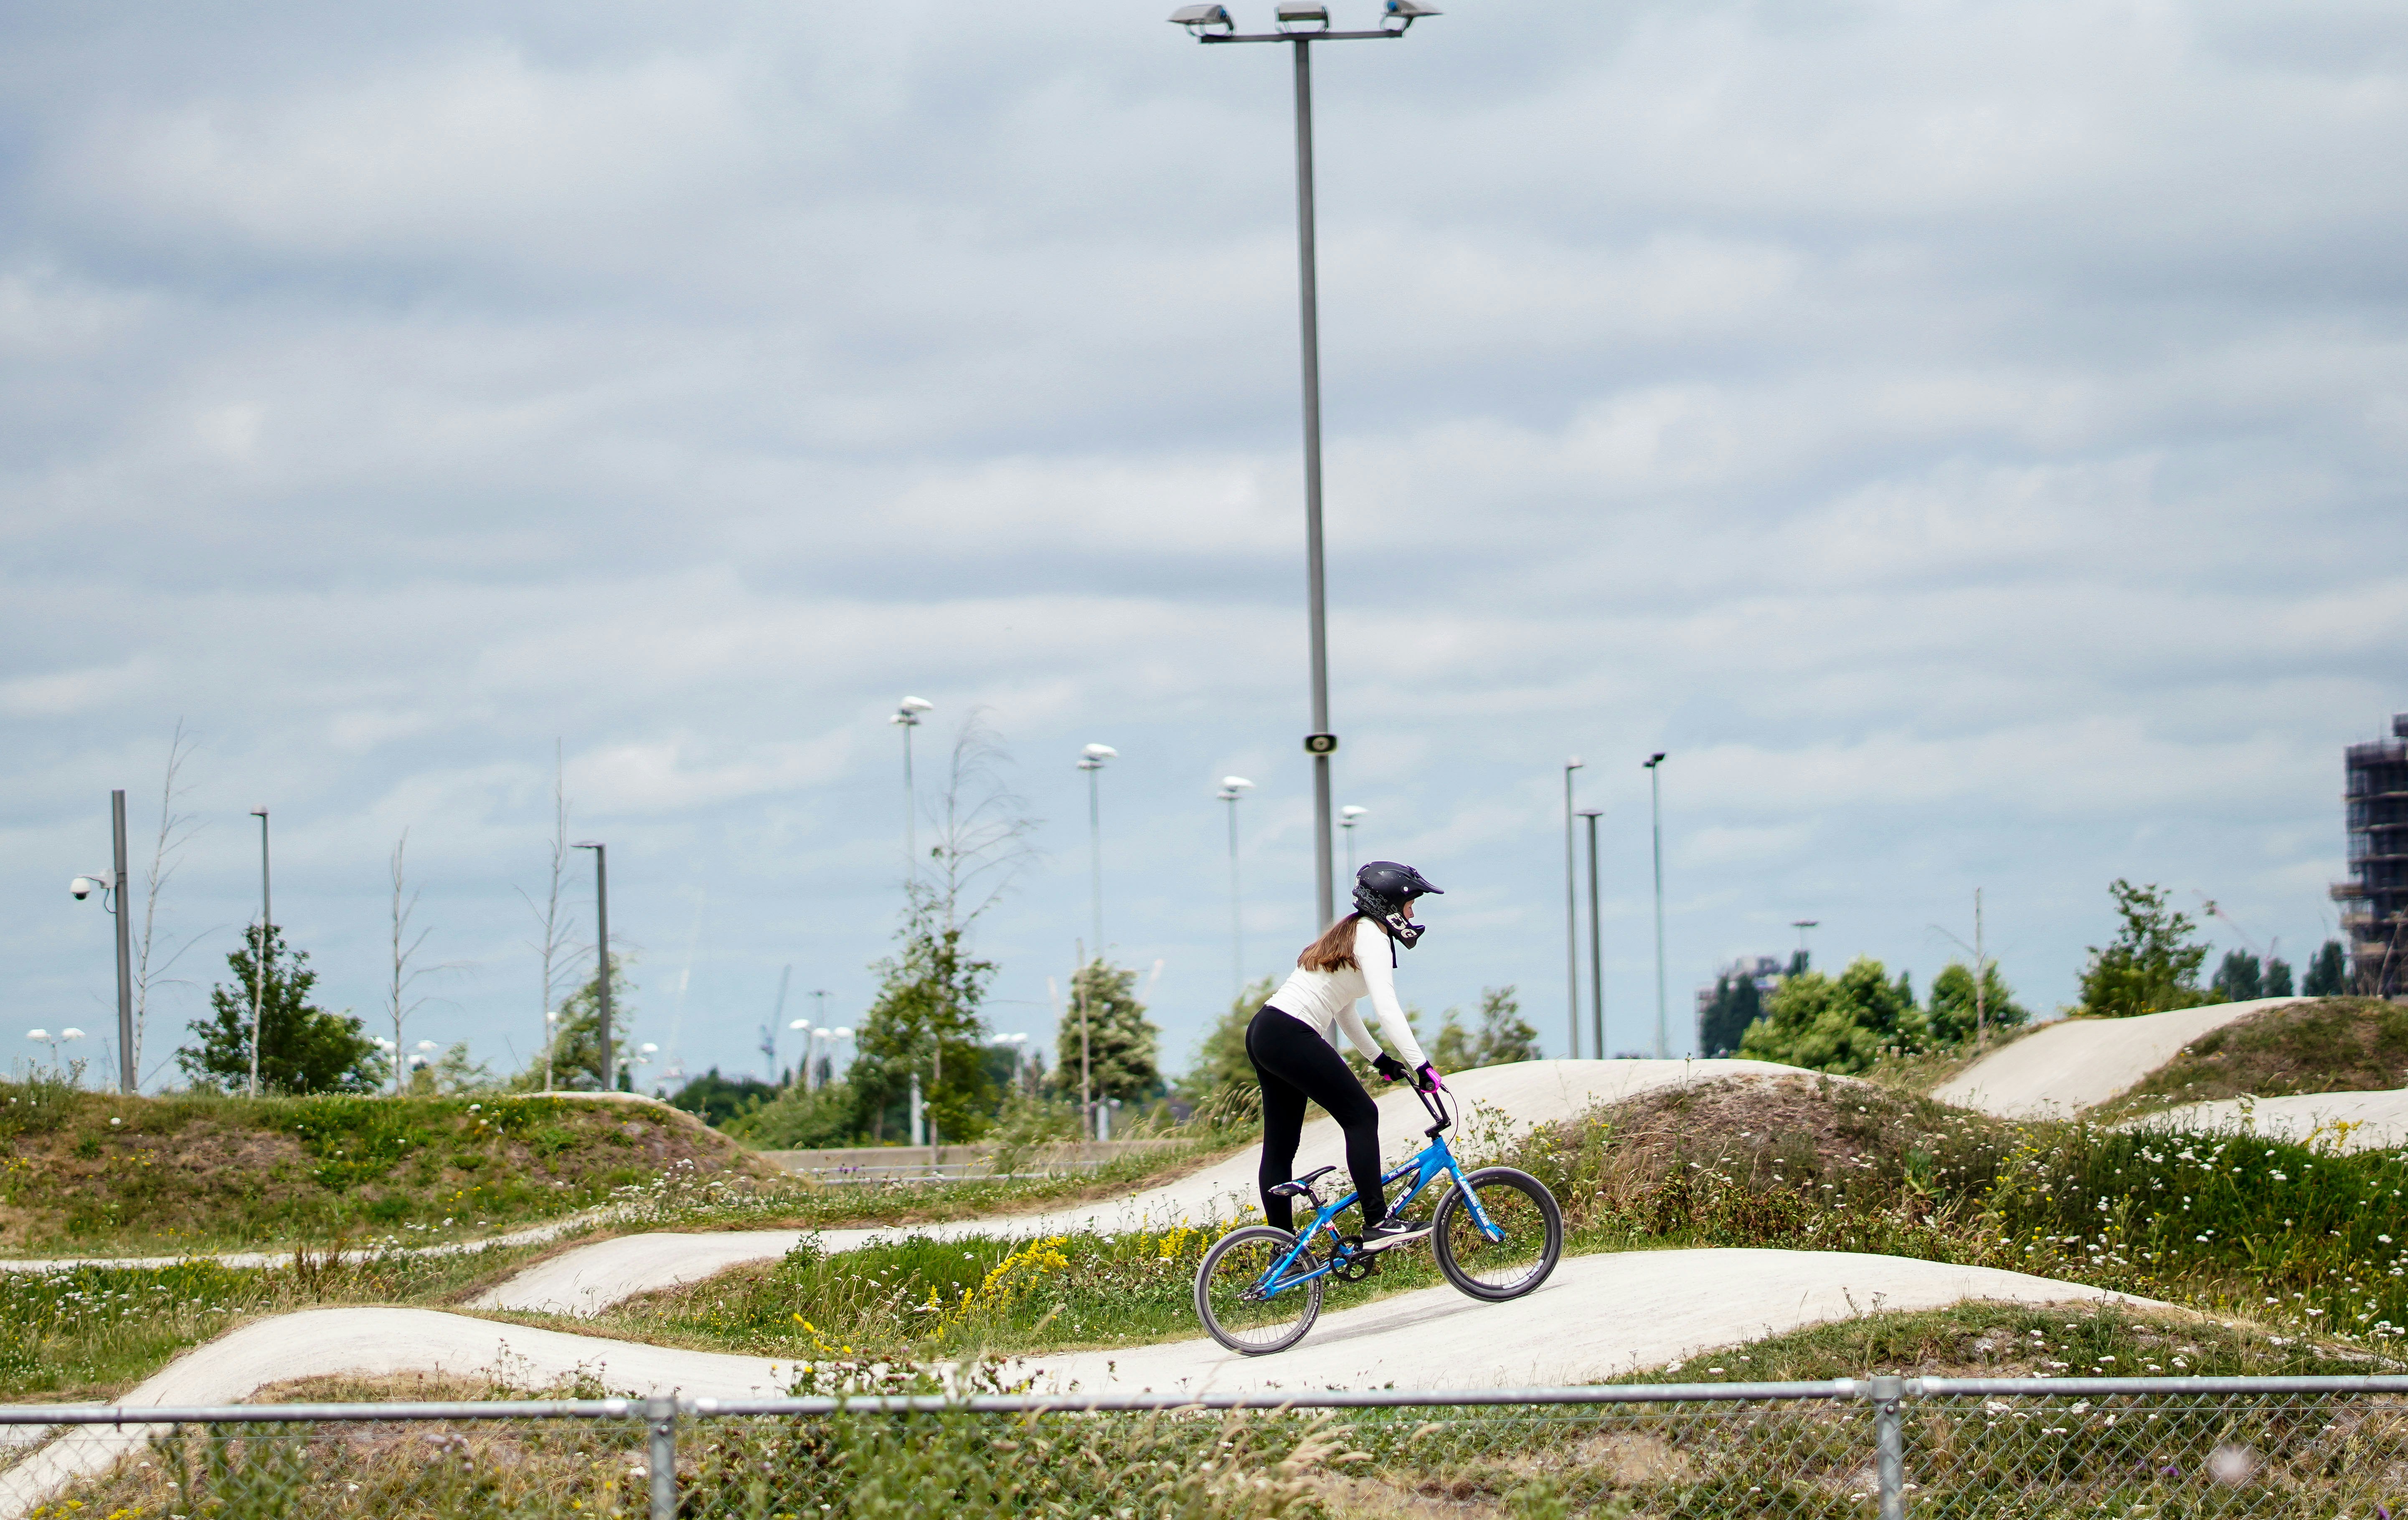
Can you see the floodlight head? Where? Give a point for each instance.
(841, 1034)
(1350, 813)
(1403, 13)
(70, 1033)
(1292, 14)
(37, 1033)
(1237, 784)
(648, 1048)
(917, 704)
(800, 1023)
(1101, 752)
(426, 1046)
(1653, 760)
(587, 844)
(259, 812)
(1197, 17)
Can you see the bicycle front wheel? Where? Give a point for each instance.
(1231, 1297)
(1529, 1243)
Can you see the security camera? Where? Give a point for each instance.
(84, 886)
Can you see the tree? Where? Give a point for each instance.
(1220, 1062)
(2278, 979)
(718, 1100)
(1503, 1038)
(1106, 1027)
(924, 1023)
(2328, 973)
(1735, 1004)
(301, 1048)
(151, 961)
(573, 1058)
(1952, 1012)
(1839, 1024)
(2153, 963)
(453, 1073)
(399, 1002)
(2239, 978)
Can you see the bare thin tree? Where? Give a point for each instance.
(983, 827)
(176, 830)
(556, 944)
(399, 1002)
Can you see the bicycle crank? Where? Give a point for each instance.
(1353, 1264)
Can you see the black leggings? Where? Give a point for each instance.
(1296, 1064)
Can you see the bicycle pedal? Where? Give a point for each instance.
(1353, 1264)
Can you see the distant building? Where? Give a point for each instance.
(2376, 894)
(1726, 1007)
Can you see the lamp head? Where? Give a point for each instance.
(1350, 813)
(800, 1023)
(1401, 14)
(587, 844)
(1575, 763)
(1653, 760)
(259, 812)
(1197, 17)
(1294, 15)
(840, 1034)
(1237, 784)
(1099, 752)
(908, 712)
(70, 1033)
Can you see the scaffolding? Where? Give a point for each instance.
(2376, 894)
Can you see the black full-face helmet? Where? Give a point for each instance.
(1382, 889)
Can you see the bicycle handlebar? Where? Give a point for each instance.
(1437, 1111)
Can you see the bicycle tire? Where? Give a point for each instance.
(1491, 1271)
(1236, 1261)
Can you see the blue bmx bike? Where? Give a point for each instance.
(1496, 1235)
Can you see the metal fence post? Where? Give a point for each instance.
(1889, 1446)
(661, 1455)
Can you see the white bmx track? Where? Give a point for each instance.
(1597, 1317)
(2059, 1071)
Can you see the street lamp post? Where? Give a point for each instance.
(1346, 817)
(1655, 825)
(1572, 912)
(1091, 760)
(1301, 24)
(602, 955)
(907, 716)
(259, 953)
(1596, 944)
(1232, 788)
(111, 884)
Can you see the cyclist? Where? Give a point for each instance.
(1293, 1043)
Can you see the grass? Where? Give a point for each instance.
(92, 1332)
(94, 1173)
(2331, 1045)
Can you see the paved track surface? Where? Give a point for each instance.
(1497, 1101)
(2379, 1121)
(1597, 1317)
(2059, 1071)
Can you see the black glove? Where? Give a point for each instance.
(1427, 1079)
(1390, 1069)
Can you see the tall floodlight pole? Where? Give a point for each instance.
(259, 953)
(1655, 825)
(1301, 24)
(602, 956)
(1572, 913)
(1091, 760)
(1346, 817)
(111, 884)
(907, 717)
(1232, 788)
(1596, 945)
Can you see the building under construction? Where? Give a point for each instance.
(2375, 897)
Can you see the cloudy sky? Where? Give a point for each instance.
(1969, 437)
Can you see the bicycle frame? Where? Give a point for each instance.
(1433, 1161)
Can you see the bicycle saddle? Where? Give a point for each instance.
(1303, 1185)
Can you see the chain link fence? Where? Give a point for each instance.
(2143, 1448)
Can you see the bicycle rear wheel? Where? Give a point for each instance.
(1229, 1302)
(1531, 1226)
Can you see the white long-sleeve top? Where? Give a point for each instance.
(1326, 1000)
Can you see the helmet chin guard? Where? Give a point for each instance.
(1382, 889)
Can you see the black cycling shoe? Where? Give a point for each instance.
(1394, 1231)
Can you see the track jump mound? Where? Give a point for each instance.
(1500, 1104)
(2062, 1070)
(108, 1176)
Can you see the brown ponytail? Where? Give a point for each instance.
(1335, 950)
